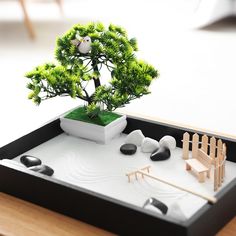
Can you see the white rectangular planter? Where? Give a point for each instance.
(97, 133)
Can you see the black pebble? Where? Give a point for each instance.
(163, 153)
(128, 149)
(29, 161)
(43, 169)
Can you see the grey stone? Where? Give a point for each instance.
(128, 148)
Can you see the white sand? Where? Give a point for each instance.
(102, 168)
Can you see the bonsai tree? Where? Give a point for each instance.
(82, 53)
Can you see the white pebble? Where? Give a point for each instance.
(149, 145)
(175, 211)
(168, 141)
(135, 137)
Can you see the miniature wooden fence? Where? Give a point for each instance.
(216, 150)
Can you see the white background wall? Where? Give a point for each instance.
(197, 67)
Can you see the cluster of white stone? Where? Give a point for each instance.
(148, 144)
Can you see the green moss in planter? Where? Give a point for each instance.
(104, 118)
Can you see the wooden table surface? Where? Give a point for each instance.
(21, 218)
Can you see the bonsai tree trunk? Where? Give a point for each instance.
(96, 81)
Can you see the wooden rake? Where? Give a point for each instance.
(145, 172)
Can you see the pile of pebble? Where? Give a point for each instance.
(31, 163)
(35, 164)
(159, 150)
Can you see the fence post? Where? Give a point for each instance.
(204, 145)
(212, 149)
(186, 138)
(219, 157)
(215, 174)
(224, 159)
(195, 145)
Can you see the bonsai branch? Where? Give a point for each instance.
(88, 98)
(87, 63)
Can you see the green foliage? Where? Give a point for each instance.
(49, 81)
(110, 48)
(92, 110)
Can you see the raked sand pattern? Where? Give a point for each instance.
(102, 168)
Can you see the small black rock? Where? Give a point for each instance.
(163, 153)
(42, 169)
(29, 161)
(128, 149)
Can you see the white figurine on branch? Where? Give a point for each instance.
(83, 44)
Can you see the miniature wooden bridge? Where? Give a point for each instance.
(141, 172)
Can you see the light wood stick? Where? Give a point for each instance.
(220, 169)
(204, 145)
(212, 149)
(219, 154)
(224, 154)
(146, 168)
(210, 199)
(215, 180)
(128, 177)
(195, 145)
(216, 173)
(186, 138)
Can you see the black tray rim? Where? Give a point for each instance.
(50, 130)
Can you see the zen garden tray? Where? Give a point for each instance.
(90, 181)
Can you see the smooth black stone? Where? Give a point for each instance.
(163, 153)
(43, 169)
(128, 149)
(29, 161)
(158, 204)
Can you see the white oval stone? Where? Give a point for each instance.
(168, 141)
(135, 137)
(149, 145)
